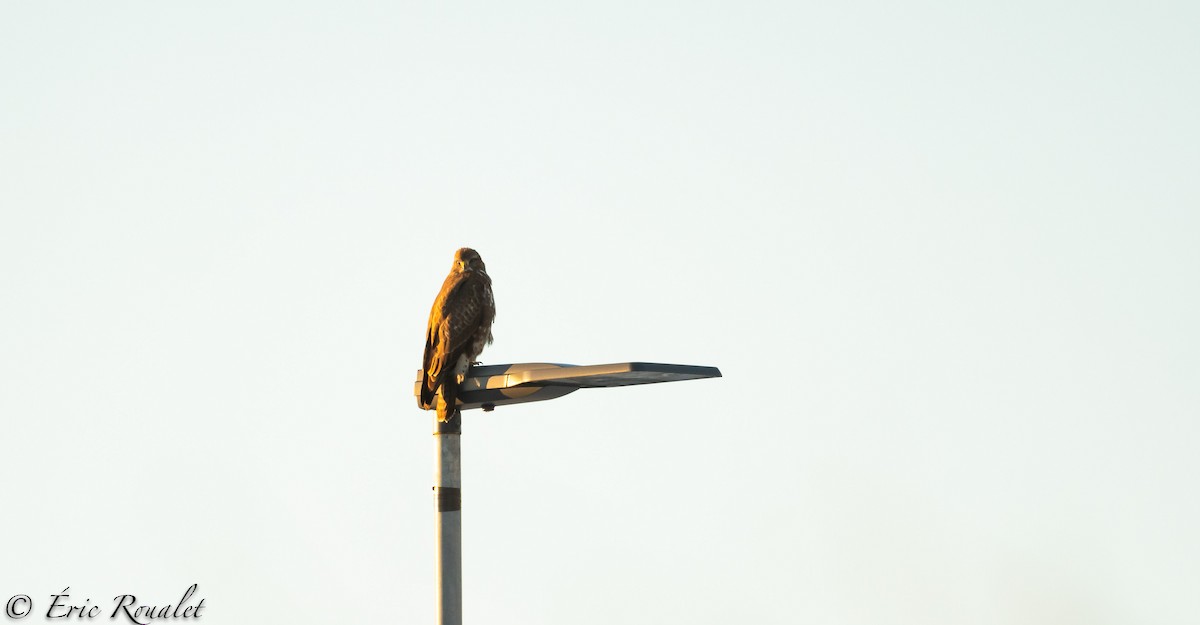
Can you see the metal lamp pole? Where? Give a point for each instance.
(447, 484)
(489, 386)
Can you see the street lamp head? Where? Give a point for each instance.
(488, 386)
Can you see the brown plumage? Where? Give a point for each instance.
(460, 324)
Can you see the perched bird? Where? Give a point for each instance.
(460, 324)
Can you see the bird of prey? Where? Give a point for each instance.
(460, 324)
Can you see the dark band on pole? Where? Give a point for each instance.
(449, 499)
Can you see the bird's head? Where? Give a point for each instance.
(467, 259)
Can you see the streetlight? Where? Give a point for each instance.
(498, 385)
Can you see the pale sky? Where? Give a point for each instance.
(946, 254)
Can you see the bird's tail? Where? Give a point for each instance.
(428, 397)
(449, 403)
